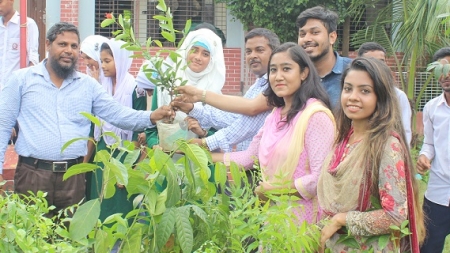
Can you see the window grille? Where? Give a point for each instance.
(107, 6)
(433, 89)
(143, 11)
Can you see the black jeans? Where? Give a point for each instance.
(438, 226)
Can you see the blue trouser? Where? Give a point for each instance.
(438, 226)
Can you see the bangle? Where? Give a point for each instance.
(226, 159)
(203, 100)
(204, 144)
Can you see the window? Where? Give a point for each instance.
(143, 11)
(107, 6)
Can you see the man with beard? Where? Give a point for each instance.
(46, 100)
(436, 148)
(316, 34)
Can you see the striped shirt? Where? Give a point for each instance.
(234, 128)
(50, 116)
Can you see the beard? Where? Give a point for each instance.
(318, 57)
(60, 70)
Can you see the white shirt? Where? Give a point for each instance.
(436, 123)
(10, 46)
(405, 110)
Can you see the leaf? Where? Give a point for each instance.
(173, 188)
(200, 213)
(134, 48)
(151, 202)
(110, 187)
(165, 227)
(132, 157)
(101, 241)
(92, 118)
(375, 202)
(132, 35)
(220, 174)
(168, 36)
(196, 155)
(107, 22)
(383, 241)
(136, 182)
(158, 43)
(79, 169)
(438, 72)
(72, 141)
(102, 156)
(184, 229)
(235, 172)
(161, 19)
(121, 23)
(120, 171)
(133, 243)
(187, 26)
(84, 219)
(161, 6)
(446, 69)
(113, 135)
(160, 205)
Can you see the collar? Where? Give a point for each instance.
(339, 65)
(14, 19)
(441, 100)
(265, 76)
(42, 71)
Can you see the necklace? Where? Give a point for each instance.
(348, 148)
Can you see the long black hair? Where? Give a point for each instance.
(309, 88)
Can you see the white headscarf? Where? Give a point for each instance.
(91, 47)
(213, 77)
(142, 80)
(125, 86)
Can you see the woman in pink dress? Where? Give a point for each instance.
(367, 184)
(296, 136)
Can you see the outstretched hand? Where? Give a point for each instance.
(189, 93)
(179, 105)
(163, 112)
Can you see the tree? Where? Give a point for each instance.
(416, 30)
(276, 15)
(280, 15)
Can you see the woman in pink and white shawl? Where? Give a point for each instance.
(296, 137)
(121, 86)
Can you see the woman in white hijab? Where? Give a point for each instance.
(121, 86)
(90, 52)
(202, 53)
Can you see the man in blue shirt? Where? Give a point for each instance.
(46, 100)
(317, 34)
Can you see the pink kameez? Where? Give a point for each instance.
(272, 142)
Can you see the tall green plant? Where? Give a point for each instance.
(161, 72)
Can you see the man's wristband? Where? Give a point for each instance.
(204, 144)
